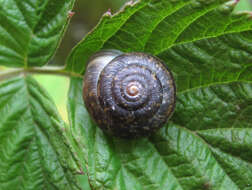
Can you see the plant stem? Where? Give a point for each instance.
(37, 70)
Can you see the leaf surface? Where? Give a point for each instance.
(34, 154)
(206, 144)
(31, 30)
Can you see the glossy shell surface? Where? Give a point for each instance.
(128, 95)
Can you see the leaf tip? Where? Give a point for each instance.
(232, 3)
(229, 6)
(131, 2)
(108, 13)
(249, 14)
(70, 14)
(80, 172)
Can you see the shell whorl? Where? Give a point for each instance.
(131, 95)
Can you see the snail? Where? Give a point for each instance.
(128, 95)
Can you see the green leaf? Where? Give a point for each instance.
(30, 31)
(34, 153)
(206, 145)
(162, 27)
(207, 142)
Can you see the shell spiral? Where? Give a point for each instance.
(128, 95)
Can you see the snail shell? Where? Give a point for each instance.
(128, 95)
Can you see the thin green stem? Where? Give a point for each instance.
(37, 70)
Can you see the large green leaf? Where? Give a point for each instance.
(207, 143)
(31, 30)
(33, 152)
(164, 27)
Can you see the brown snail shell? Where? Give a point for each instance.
(128, 95)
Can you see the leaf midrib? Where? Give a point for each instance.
(31, 33)
(37, 125)
(25, 56)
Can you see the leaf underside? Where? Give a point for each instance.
(34, 153)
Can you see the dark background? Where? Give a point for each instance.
(87, 15)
